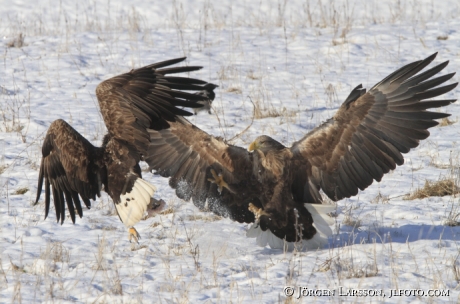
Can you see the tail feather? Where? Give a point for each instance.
(321, 221)
(144, 189)
(133, 204)
(148, 187)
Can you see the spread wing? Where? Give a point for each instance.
(146, 98)
(187, 154)
(70, 168)
(367, 135)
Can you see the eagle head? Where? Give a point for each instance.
(265, 143)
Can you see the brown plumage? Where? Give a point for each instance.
(131, 104)
(279, 187)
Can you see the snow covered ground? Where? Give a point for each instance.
(297, 61)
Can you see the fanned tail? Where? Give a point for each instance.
(133, 204)
(321, 222)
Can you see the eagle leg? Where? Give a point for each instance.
(218, 179)
(133, 234)
(258, 212)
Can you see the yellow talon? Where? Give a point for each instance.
(133, 234)
(218, 179)
(257, 212)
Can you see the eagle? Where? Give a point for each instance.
(279, 189)
(131, 104)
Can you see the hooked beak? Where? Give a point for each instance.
(253, 146)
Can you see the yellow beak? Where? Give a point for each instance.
(253, 146)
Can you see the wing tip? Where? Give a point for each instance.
(431, 57)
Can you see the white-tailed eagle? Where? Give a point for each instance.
(131, 104)
(277, 187)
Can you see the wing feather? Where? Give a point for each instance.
(47, 197)
(70, 167)
(367, 135)
(146, 98)
(187, 155)
(368, 165)
(70, 204)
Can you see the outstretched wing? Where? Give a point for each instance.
(367, 135)
(146, 98)
(187, 154)
(70, 167)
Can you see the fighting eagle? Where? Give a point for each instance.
(278, 188)
(131, 104)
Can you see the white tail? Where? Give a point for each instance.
(321, 221)
(133, 204)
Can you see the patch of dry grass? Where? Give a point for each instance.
(453, 218)
(204, 217)
(167, 211)
(380, 199)
(441, 187)
(452, 221)
(21, 191)
(155, 224)
(351, 219)
(17, 42)
(456, 267)
(260, 113)
(56, 252)
(15, 110)
(446, 122)
(234, 90)
(346, 266)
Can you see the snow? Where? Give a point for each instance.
(298, 60)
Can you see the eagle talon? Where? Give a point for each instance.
(133, 234)
(258, 212)
(218, 179)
